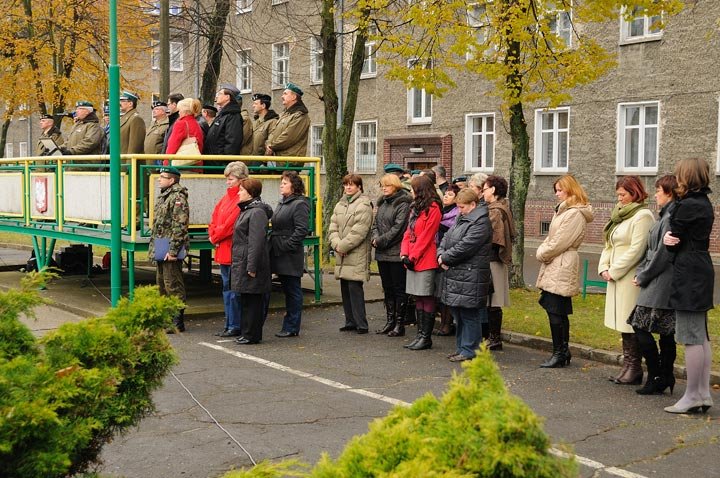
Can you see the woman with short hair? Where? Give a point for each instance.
(625, 236)
(349, 237)
(449, 218)
(387, 233)
(417, 252)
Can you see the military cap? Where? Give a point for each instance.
(233, 90)
(170, 170)
(210, 108)
(415, 172)
(126, 95)
(393, 168)
(159, 103)
(46, 116)
(106, 111)
(459, 179)
(84, 104)
(294, 88)
(262, 97)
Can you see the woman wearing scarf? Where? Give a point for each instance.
(625, 237)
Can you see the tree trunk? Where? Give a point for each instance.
(519, 181)
(3, 135)
(216, 33)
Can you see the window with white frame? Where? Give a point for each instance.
(479, 141)
(560, 22)
(478, 20)
(23, 150)
(278, 2)
(244, 6)
(280, 64)
(316, 144)
(175, 8)
(552, 140)
(316, 60)
(419, 101)
(9, 152)
(640, 28)
(244, 71)
(366, 146)
(638, 137)
(176, 56)
(369, 69)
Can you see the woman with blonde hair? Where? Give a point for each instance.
(559, 264)
(693, 280)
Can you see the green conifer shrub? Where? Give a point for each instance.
(62, 397)
(476, 429)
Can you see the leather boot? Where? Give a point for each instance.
(399, 329)
(391, 317)
(631, 354)
(425, 326)
(557, 360)
(411, 314)
(418, 335)
(178, 323)
(625, 363)
(566, 340)
(495, 316)
(668, 352)
(446, 323)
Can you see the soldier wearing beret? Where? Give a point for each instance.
(398, 171)
(49, 130)
(290, 135)
(132, 126)
(156, 132)
(86, 136)
(265, 121)
(170, 220)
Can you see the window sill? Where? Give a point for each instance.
(636, 172)
(636, 40)
(550, 172)
(419, 122)
(368, 76)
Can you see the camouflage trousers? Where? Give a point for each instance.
(169, 279)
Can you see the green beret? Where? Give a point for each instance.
(294, 88)
(170, 170)
(393, 168)
(126, 95)
(84, 104)
(415, 172)
(460, 179)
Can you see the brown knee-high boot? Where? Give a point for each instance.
(632, 373)
(446, 322)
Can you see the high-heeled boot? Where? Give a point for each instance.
(418, 335)
(495, 316)
(668, 352)
(425, 327)
(566, 339)
(655, 383)
(557, 360)
(446, 323)
(390, 313)
(411, 313)
(399, 329)
(633, 374)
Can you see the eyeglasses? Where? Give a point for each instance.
(484, 189)
(165, 177)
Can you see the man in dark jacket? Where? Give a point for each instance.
(172, 102)
(225, 135)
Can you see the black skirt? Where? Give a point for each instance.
(555, 304)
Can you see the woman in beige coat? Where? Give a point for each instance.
(558, 277)
(625, 237)
(349, 237)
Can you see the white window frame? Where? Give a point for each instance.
(243, 6)
(426, 100)
(9, 150)
(278, 2)
(23, 149)
(316, 144)
(556, 15)
(244, 70)
(369, 164)
(625, 29)
(369, 68)
(316, 60)
(177, 53)
(482, 136)
(642, 127)
(280, 62)
(556, 132)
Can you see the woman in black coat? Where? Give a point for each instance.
(287, 255)
(250, 273)
(693, 280)
(464, 254)
(387, 233)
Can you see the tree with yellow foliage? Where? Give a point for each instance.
(518, 47)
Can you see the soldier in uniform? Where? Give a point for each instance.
(156, 133)
(265, 121)
(86, 136)
(171, 219)
(132, 126)
(290, 135)
(398, 171)
(247, 146)
(49, 130)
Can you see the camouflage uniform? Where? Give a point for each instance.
(171, 218)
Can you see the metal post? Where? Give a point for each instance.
(115, 196)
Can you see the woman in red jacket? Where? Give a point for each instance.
(417, 252)
(220, 233)
(185, 127)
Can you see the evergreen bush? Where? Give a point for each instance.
(476, 429)
(62, 397)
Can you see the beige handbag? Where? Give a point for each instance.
(188, 147)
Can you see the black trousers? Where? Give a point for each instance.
(353, 297)
(392, 276)
(253, 316)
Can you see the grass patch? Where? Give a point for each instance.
(586, 324)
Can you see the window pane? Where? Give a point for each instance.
(637, 27)
(650, 157)
(489, 150)
(477, 124)
(651, 115)
(547, 150)
(489, 124)
(477, 151)
(548, 120)
(654, 24)
(631, 147)
(417, 103)
(562, 149)
(428, 105)
(562, 119)
(632, 116)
